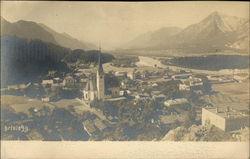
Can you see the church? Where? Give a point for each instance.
(95, 87)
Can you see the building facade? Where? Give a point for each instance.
(226, 120)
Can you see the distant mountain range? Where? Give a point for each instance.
(34, 31)
(217, 32)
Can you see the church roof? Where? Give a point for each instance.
(91, 85)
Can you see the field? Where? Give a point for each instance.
(235, 95)
(20, 103)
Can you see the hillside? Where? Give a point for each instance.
(32, 30)
(217, 32)
(25, 60)
(66, 40)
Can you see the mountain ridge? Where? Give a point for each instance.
(32, 30)
(68, 41)
(214, 33)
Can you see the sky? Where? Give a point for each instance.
(114, 23)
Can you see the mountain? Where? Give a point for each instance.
(32, 30)
(27, 30)
(66, 40)
(216, 32)
(242, 40)
(152, 39)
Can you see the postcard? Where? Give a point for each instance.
(137, 78)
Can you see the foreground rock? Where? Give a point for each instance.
(198, 133)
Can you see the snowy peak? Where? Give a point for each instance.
(216, 32)
(224, 22)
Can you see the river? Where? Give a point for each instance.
(151, 62)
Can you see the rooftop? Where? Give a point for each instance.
(227, 113)
(176, 101)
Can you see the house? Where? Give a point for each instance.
(131, 75)
(189, 83)
(16, 87)
(159, 97)
(123, 84)
(155, 93)
(57, 80)
(47, 82)
(174, 102)
(46, 99)
(181, 76)
(214, 79)
(52, 74)
(194, 81)
(120, 74)
(154, 85)
(123, 93)
(225, 119)
(184, 87)
(114, 91)
(69, 81)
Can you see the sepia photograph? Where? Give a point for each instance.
(113, 72)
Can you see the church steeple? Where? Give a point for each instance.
(100, 78)
(99, 64)
(96, 89)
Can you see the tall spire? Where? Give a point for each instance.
(100, 69)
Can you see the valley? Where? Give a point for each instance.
(168, 83)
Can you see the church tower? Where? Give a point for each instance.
(100, 78)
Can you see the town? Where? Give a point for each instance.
(129, 98)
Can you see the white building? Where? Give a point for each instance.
(131, 75)
(226, 120)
